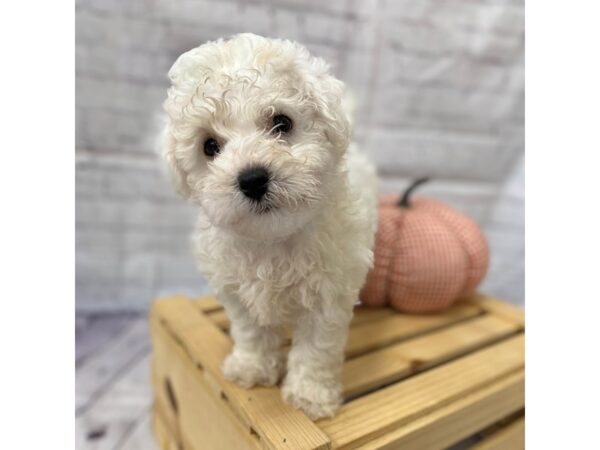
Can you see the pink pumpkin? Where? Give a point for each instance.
(427, 255)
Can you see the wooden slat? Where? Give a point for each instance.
(383, 366)
(500, 308)
(164, 437)
(168, 418)
(213, 310)
(510, 437)
(278, 425)
(207, 304)
(163, 359)
(361, 315)
(377, 334)
(96, 374)
(219, 318)
(458, 420)
(201, 418)
(162, 433)
(371, 416)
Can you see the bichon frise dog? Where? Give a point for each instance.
(258, 136)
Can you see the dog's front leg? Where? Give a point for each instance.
(315, 361)
(257, 357)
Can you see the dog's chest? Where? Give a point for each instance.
(274, 282)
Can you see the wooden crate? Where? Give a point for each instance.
(410, 382)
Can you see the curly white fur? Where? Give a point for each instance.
(303, 259)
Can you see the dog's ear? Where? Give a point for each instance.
(186, 64)
(184, 78)
(172, 164)
(194, 65)
(328, 94)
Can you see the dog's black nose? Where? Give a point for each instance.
(254, 182)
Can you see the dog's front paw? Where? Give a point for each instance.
(317, 398)
(250, 369)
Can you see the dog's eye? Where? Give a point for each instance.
(282, 124)
(211, 147)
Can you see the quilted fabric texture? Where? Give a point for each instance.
(426, 256)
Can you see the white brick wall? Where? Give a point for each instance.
(440, 92)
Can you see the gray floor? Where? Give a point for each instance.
(113, 393)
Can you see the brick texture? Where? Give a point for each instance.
(439, 87)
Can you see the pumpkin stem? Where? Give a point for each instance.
(404, 201)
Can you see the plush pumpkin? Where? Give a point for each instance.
(427, 255)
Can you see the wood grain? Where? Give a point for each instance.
(362, 314)
(465, 368)
(196, 413)
(458, 420)
(219, 318)
(376, 334)
(163, 434)
(217, 314)
(510, 437)
(392, 363)
(278, 425)
(499, 308)
(371, 416)
(207, 304)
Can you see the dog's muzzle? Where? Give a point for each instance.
(254, 182)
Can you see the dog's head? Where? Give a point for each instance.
(256, 130)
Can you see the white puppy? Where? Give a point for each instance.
(258, 137)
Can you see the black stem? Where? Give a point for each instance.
(404, 201)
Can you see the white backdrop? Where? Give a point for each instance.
(440, 92)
